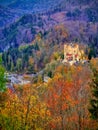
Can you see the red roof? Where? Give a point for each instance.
(69, 54)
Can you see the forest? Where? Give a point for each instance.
(45, 48)
(39, 89)
(69, 100)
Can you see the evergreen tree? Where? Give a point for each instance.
(2, 77)
(92, 53)
(94, 101)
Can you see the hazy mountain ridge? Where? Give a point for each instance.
(7, 16)
(32, 5)
(73, 14)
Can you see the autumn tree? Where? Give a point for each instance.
(23, 109)
(67, 97)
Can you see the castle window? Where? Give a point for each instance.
(70, 58)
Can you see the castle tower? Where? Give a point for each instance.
(65, 51)
(72, 53)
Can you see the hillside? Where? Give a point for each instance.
(44, 49)
(31, 17)
(8, 16)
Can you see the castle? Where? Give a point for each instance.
(72, 54)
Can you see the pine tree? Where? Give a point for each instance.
(2, 77)
(94, 100)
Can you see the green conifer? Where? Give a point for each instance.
(94, 100)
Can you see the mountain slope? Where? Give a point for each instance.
(7, 16)
(79, 18)
(23, 30)
(32, 5)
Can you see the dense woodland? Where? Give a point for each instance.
(61, 104)
(45, 48)
(34, 56)
(67, 101)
